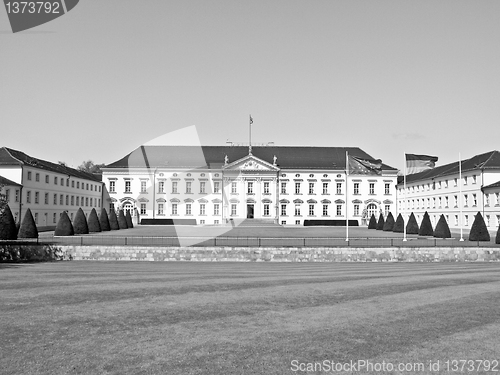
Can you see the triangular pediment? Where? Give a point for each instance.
(251, 163)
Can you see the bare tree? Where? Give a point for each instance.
(90, 167)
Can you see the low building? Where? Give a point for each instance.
(213, 184)
(441, 191)
(47, 189)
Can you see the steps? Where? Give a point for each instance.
(258, 223)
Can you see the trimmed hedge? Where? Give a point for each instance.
(399, 225)
(29, 253)
(497, 238)
(380, 224)
(479, 231)
(80, 223)
(28, 226)
(8, 228)
(64, 226)
(128, 219)
(389, 223)
(412, 226)
(426, 226)
(93, 224)
(373, 222)
(113, 221)
(104, 221)
(122, 222)
(442, 229)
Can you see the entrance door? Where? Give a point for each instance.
(128, 207)
(249, 211)
(371, 210)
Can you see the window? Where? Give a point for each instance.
(216, 221)
(487, 219)
(188, 208)
(216, 209)
(487, 199)
(250, 187)
(37, 177)
(325, 210)
(356, 188)
(55, 180)
(72, 200)
(216, 187)
(233, 209)
(387, 188)
(61, 199)
(297, 210)
(143, 186)
(202, 187)
(67, 200)
(474, 179)
(36, 217)
(465, 180)
(73, 184)
(311, 210)
(466, 198)
(297, 222)
(283, 210)
(87, 186)
(339, 210)
(339, 188)
(202, 221)
(62, 181)
(455, 199)
(54, 217)
(78, 184)
(37, 197)
(17, 196)
(474, 200)
(311, 187)
(266, 187)
(143, 209)
(266, 209)
(86, 201)
(174, 187)
(372, 188)
(46, 178)
(28, 196)
(174, 208)
(202, 208)
(297, 188)
(160, 208)
(161, 186)
(29, 175)
(325, 187)
(446, 201)
(67, 182)
(356, 210)
(434, 202)
(7, 195)
(283, 188)
(112, 187)
(188, 187)
(233, 187)
(78, 201)
(456, 219)
(466, 219)
(497, 199)
(387, 209)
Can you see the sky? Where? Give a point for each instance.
(388, 76)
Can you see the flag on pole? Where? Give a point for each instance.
(358, 165)
(251, 120)
(419, 163)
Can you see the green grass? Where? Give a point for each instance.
(252, 318)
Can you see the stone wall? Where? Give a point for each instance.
(285, 254)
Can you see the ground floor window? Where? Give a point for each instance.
(202, 221)
(325, 210)
(297, 210)
(266, 209)
(160, 208)
(297, 222)
(202, 209)
(311, 210)
(356, 210)
(143, 208)
(216, 221)
(188, 208)
(174, 208)
(233, 209)
(283, 222)
(283, 210)
(387, 209)
(216, 209)
(339, 210)
(54, 218)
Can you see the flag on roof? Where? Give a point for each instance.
(359, 165)
(419, 163)
(251, 120)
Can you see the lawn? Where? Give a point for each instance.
(253, 318)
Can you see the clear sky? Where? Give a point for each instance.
(420, 76)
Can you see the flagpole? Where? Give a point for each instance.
(250, 135)
(346, 192)
(460, 196)
(404, 205)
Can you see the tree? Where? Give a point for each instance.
(479, 231)
(426, 226)
(412, 226)
(63, 163)
(64, 226)
(28, 227)
(399, 225)
(8, 228)
(497, 238)
(104, 221)
(373, 222)
(89, 167)
(389, 223)
(381, 222)
(113, 220)
(80, 223)
(128, 219)
(442, 229)
(122, 222)
(94, 225)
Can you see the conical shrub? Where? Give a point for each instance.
(381, 222)
(28, 226)
(80, 223)
(104, 221)
(128, 219)
(426, 226)
(389, 223)
(399, 225)
(8, 228)
(113, 220)
(122, 222)
(94, 225)
(479, 231)
(373, 222)
(497, 238)
(64, 226)
(442, 229)
(412, 226)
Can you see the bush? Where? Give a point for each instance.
(104, 221)
(30, 253)
(389, 223)
(399, 225)
(412, 226)
(442, 229)
(380, 224)
(373, 222)
(64, 226)
(113, 221)
(8, 228)
(122, 222)
(80, 223)
(479, 231)
(93, 224)
(128, 219)
(426, 226)
(28, 226)
(497, 238)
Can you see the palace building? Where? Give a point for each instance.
(214, 184)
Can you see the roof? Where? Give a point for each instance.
(494, 185)
(488, 160)
(9, 156)
(6, 181)
(288, 157)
